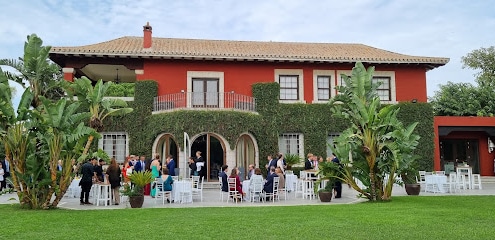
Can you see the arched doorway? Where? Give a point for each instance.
(213, 151)
(165, 146)
(245, 154)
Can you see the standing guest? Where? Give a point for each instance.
(268, 187)
(280, 174)
(201, 166)
(99, 171)
(238, 185)
(192, 166)
(113, 173)
(171, 165)
(251, 170)
(147, 163)
(337, 187)
(281, 163)
(223, 175)
(133, 161)
(126, 171)
(155, 172)
(271, 163)
(140, 165)
(2, 177)
(88, 174)
(308, 165)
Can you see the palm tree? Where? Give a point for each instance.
(93, 98)
(376, 145)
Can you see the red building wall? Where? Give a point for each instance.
(171, 76)
(486, 158)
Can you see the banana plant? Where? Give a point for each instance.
(93, 98)
(376, 146)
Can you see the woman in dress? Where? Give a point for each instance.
(167, 182)
(126, 171)
(238, 185)
(113, 173)
(280, 174)
(155, 172)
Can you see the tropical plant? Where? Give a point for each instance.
(93, 98)
(376, 145)
(36, 69)
(329, 173)
(139, 179)
(292, 159)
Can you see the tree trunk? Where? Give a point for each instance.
(88, 144)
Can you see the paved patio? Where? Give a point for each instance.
(211, 198)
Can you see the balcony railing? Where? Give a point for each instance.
(204, 100)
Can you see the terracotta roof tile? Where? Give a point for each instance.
(246, 50)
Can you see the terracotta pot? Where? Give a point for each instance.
(413, 188)
(136, 201)
(325, 196)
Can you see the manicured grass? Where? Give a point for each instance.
(443, 217)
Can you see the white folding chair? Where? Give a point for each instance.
(233, 193)
(422, 180)
(274, 193)
(197, 188)
(255, 191)
(159, 193)
(476, 181)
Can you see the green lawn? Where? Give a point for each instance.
(448, 217)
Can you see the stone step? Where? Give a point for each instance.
(211, 185)
(488, 179)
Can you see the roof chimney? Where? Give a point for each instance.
(147, 35)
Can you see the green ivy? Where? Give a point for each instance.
(271, 120)
(121, 90)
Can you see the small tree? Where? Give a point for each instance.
(376, 146)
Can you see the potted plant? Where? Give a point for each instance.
(292, 159)
(329, 173)
(136, 193)
(409, 177)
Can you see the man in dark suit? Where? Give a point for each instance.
(223, 175)
(308, 165)
(271, 163)
(268, 188)
(147, 163)
(6, 168)
(87, 171)
(171, 165)
(337, 187)
(140, 165)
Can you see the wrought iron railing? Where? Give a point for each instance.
(204, 100)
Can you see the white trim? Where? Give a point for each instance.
(317, 73)
(299, 73)
(68, 70)
(139, 71)
(391, 74)
(205, 74)
(100, 143)
(300, 139)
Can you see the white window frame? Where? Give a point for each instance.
(390, 74)
(294, 72)
(316, 74)
(119, 159)
(284, 137)
(206, 74)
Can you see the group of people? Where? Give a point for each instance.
(93, 172)
(312, 162)
(255, 177)
(197, 166)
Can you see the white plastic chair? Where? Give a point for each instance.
(159, 193)
(476, 181)
(197, 188)
(256, 190)
(185, 192)
(274, 193)
(233, 193)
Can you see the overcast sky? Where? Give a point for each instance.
(435, 28)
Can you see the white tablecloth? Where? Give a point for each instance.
(438, 181)
(290, 182)
(245, 189)
(180, 186)
(74, 189)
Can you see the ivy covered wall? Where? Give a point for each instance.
(314, 121)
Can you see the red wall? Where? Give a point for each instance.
(486, 158)
(171, 76)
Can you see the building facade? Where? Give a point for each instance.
(211, 79)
